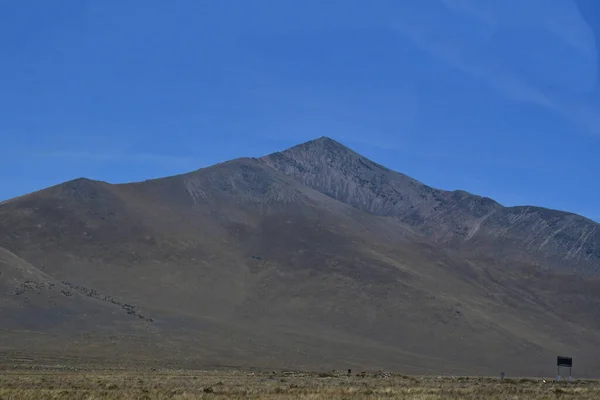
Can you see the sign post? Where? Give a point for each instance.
(564, 362)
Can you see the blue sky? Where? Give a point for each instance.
(499, 98)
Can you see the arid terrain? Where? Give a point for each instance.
(51, 385)
(314, 258)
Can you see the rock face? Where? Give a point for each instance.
(313, 258)
(456, 219)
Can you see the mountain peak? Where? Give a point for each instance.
(327, 140)
(322, 143)
(323, 139)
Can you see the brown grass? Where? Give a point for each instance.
(158, 385)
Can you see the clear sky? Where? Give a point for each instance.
(499, 98)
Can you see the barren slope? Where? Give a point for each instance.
(454, 219)
(240, 264)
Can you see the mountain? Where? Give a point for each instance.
(313, 258)
(454, 219)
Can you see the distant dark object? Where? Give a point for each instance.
(501, 375)
(564, 362)
(349, 371)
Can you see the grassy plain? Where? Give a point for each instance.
(158, 385)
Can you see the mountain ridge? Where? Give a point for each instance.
(446, 217)
(449, 218)
(458, 192)
(247, 263)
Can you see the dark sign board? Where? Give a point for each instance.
(564, 361)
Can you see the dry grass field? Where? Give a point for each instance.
(56, 384)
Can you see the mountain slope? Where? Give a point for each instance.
(45, 320)
(454, 219)
(242, 264)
